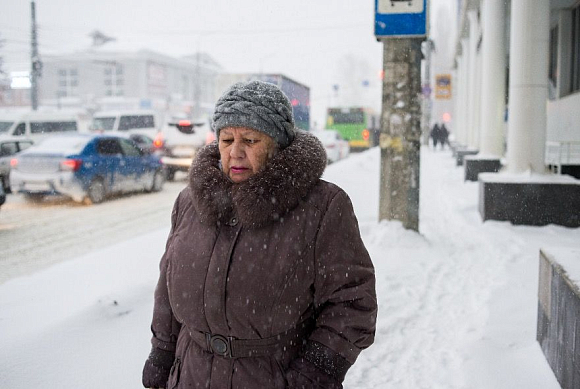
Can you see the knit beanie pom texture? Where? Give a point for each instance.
(257, 105)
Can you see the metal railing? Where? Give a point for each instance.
(562, 153)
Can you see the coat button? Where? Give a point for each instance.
(219, 345)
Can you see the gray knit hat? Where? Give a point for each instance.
(257, 105)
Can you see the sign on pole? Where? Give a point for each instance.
(443, 86)
(400, 18)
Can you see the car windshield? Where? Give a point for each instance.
(61, 145)
(4, 126)
(104, 124)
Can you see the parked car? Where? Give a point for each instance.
(10, 146)
(180, 141)
(39, 125)
(85, 167)
(148, 145)
(2, 195)
(129, 122)
(336, 147)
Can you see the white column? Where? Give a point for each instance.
(458, 99)
(466, 90)
(493, 78)
(477, 102)
(529, 43)
(473, 125)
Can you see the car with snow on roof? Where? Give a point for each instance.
(85, 167)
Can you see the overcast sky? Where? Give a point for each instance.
(312, 41)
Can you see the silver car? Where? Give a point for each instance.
(9, 147)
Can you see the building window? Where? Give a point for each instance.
(575, 65)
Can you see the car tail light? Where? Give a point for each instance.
(71, 165)
(365, 134)
(158, 141)
(14, 163)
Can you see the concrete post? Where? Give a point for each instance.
(458, 100)
(493, 80)
(529, 43)
(466, 89)
(473, 125)
(400, 139)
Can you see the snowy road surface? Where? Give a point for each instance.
(457, 303)
(36, 235)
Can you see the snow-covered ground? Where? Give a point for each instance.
(457, 301)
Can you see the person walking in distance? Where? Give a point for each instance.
(436, 135)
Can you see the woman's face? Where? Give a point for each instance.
(244, 152)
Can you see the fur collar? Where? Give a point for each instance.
(263, 198)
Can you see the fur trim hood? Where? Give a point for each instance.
(263, 198)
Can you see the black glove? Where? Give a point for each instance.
(318, 367)
(157, 368)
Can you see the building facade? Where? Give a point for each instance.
(517, 66)
(103, 80)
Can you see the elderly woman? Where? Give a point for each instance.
(265, 282)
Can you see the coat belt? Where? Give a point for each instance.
(231, 347)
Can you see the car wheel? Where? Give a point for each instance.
(158, 181)
(170, 174)
(33, 197)
(96, 192)
(5, 184)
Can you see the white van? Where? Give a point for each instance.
(134, 122)
(38, 125)
(181, 139)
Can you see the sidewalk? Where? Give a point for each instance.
(457, 303)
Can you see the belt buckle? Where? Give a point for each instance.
(220, 345)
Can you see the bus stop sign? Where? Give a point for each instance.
(400, 18)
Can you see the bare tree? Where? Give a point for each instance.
(2, 41)
(354, 75)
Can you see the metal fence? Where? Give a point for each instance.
(562, 153)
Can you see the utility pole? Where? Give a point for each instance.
(36, 65)
(400, 138)
(401, 26)
(428, 102)
(197, 90)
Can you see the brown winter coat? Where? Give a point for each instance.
(252, 260)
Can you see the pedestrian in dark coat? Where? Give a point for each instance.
(265, 281)
(444, 138)
(436, 135)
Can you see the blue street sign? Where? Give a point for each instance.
(400, 18)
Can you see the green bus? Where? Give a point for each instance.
(355, 124)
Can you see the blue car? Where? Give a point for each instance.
(85, 167)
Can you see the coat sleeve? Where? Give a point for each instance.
(344, 299)
(165, 327)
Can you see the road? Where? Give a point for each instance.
(34, 236)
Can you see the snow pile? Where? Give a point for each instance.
(457, 303)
